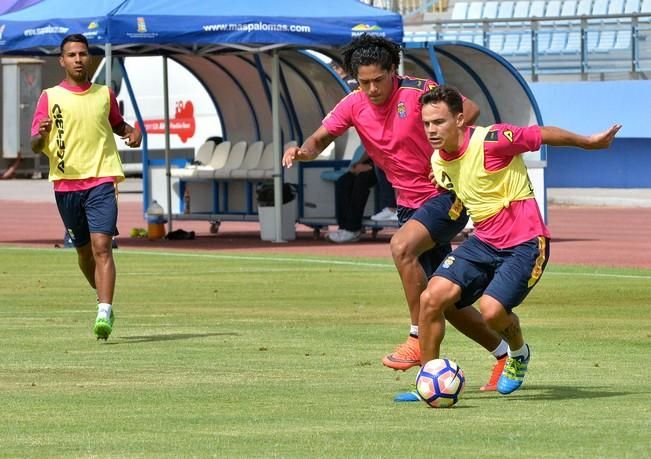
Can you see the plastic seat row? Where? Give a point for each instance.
(556, 36)
(523, 9)
(230, 161)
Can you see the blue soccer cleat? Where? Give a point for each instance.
(407, 397)
(513, 374)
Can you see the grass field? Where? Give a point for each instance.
(261, 356)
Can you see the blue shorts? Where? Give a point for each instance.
(508, 275)
(435, 215)
(88, 211)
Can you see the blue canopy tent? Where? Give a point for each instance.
(199, 28)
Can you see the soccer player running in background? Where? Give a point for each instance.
(73, 126)
(385, 111)
(508, 251)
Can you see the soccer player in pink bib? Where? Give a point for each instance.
(385, 111)
(508, 251)
(73, 126)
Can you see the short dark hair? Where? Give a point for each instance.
(74, 38)
(370, 50)
(446, 94)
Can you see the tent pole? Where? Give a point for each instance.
(277, 175)
(108, 60)
(166, 110)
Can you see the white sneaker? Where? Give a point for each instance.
(385, 215)
(342, 235)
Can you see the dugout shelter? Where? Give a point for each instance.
(258, 64)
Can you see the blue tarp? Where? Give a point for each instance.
(194, 23)
(44, 24)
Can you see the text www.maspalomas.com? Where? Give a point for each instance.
(257, 27)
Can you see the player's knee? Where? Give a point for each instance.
(493, 312)
(400, 249)
(433, 301)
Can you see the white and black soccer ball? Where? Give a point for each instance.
(440, 382)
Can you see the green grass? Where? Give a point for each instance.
(263, 356)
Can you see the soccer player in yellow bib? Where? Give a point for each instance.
(73, 126)
(507, 254)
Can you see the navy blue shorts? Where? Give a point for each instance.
(89, 211)
(444, 217)
(508, 275)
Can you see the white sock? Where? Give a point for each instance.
(103, 311)
(522, 352)
(413, 330)
(501, 350)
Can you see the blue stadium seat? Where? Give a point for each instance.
(545, 37)
(499, 32)
(460, 11)
(562, 28)
(599, 7)
(475, 10)
(623, 37)
(645, 8)
(537, 9)
(583, 8)
(609, 26)
(494, 40)
(512, 39)
(505, 10)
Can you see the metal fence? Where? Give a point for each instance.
(555, 45)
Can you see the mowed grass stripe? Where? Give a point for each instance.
(219, 357)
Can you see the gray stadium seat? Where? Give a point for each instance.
(244, 158)
(201, 159)
(204, 152)
(217, 160)
(220, 160)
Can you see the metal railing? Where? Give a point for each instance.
(562, 44)
(410, 8)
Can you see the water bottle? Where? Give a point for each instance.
(155, 210)
(155, 221)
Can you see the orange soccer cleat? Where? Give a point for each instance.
(491, 385)
(405, 356)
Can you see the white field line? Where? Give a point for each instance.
(319, 261)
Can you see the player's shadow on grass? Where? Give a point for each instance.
(534, 392)
(167, 337)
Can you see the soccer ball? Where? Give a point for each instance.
(440, 383)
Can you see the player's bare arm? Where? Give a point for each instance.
(131, 136)
(558, 137)
(38, 141)
(310, 149)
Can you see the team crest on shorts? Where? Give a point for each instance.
(71, 233)
(402, 110)
(449, 261)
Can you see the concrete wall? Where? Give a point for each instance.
(589, 107)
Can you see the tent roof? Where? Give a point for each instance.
(192, 24)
